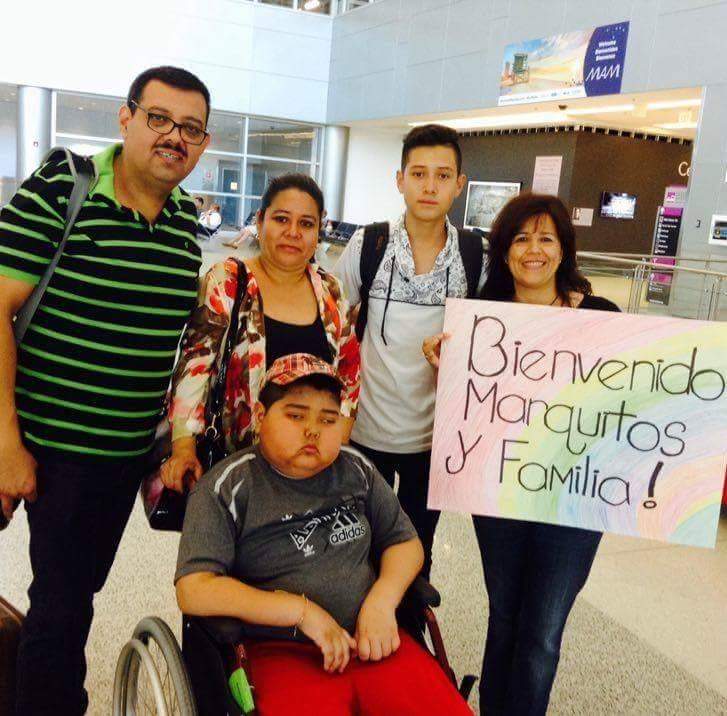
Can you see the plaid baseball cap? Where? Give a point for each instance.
(292, 367)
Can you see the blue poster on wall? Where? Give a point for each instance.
(583, 63)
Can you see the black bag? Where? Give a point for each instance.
(375, 241)
(164, 507)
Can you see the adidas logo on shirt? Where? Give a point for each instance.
(346, 528)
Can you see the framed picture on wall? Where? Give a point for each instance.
(484, 201)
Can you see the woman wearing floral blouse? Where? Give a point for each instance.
(290, 305)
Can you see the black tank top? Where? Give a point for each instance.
(282, 339)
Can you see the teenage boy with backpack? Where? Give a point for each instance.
(400, 274)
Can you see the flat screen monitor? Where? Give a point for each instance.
(617, 205)
(484, 201)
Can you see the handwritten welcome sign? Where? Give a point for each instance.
(592, 419)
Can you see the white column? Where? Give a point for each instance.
(335, 153)
(34, 130)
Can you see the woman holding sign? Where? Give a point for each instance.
(533, 572)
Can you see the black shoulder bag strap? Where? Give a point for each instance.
(83, 171)
(211, 444)
(473, 256)
(375, 241)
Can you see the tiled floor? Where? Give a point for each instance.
(647, 636)
(673, 597)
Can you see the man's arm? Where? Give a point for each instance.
(348, 269)
(31, 226)
(17, 466)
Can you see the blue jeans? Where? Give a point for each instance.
(533, 573)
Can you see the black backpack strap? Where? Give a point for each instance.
(473, 256)
(83, 171)
(216, 397)
(375, 241)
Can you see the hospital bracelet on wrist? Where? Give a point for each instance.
(302, 615)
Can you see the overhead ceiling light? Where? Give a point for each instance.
(674, 104)
(677, 125)
(608, 109)
(500, 120)
(311, 4)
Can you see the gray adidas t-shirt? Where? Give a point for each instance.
(315, 536)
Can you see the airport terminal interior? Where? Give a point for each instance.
(329, 88)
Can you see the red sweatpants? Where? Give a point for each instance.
(288, 678)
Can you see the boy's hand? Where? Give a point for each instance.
(329, 636)
(377, 634)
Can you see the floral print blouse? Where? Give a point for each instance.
(205, 337)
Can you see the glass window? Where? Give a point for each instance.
(86, 147)
(228, 131)
(278, 139)
(8, 142)
(229, 208)
(215, 173)
(347, 5)
(91, 116)
(290, 146)
(319, 6)
(261, 171)
(252, 204)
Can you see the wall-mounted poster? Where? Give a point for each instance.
(546, 177)
(484, 201)
(582, 216)
(584, 63)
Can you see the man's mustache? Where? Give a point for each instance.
(175, 147)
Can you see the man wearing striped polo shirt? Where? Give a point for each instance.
(80, 399)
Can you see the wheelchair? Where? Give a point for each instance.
(155, 676)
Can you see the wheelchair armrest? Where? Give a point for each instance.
(421, 594)
(224, 631)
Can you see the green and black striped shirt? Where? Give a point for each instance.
(96, 361)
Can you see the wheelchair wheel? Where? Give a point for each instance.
(150, 675)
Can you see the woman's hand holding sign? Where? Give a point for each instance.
(432, 348)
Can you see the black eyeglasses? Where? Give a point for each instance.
(162, 124)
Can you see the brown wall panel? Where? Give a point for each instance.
(592, 164)
(623, 164)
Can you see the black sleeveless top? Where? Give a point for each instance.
(596, 303)
(282, 339)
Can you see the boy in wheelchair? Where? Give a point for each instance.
(284, 536)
